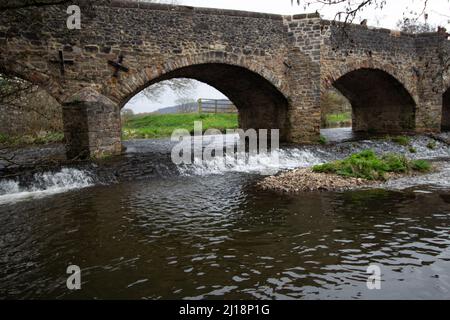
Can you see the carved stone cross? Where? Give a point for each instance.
(62, 62)
(118, 66)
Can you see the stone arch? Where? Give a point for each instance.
(259, 94)
(408, 79)
(446, 111)
(139, 80)
(380, 101)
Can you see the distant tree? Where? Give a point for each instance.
(352, 8)
(333, 102)
(413, 26)
(186, 105)
(126, 114)
(181, 86)
(12, 89)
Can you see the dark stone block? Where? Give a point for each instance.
(91, 48)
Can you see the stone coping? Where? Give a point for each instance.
(188, 9)
(204, 10)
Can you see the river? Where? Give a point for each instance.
(205, 232)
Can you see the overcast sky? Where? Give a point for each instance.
(438, 11)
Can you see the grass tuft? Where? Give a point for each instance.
(432, 145)
(412, 150)
(402, 140)
(421, 165)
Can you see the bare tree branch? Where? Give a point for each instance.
(181, 86)
(351, 8)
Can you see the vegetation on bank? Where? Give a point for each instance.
(367, 165)
(405, 141)
(35, 139)
(163, 125)
(338, 120)
(323, 140)
(336, 110)
(402, 140)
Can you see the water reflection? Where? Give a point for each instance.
(218, 238)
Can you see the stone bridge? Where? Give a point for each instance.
(274, 68)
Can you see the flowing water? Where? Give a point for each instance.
(145, 228)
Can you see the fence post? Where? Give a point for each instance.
(199, 105)
(215, 106)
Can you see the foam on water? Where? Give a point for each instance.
(264, 163)
(440, 179)
(307, 156)
(44, 184)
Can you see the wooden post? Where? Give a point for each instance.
(200, 105)
(215, 106)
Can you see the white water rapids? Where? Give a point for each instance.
(67, 179)
(44, 184)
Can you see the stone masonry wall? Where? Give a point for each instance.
(430, 54)
(303, 74)
(446, 86)
(379, 104)
(157, 37)
(412, 61)
(273, 67)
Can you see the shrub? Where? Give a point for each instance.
(368, 165)
(322, 140)
(421, 165)
(402, 140)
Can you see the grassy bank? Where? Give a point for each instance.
(367, 165)
(338, 120)
(163, 125)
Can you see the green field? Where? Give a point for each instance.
(163, 125)
(338, 120)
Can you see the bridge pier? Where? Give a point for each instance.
(304, 111)
(92, 126)
(446, 111)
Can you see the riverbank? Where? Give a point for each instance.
(157, 126)
(306, 180)
(28, 140)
